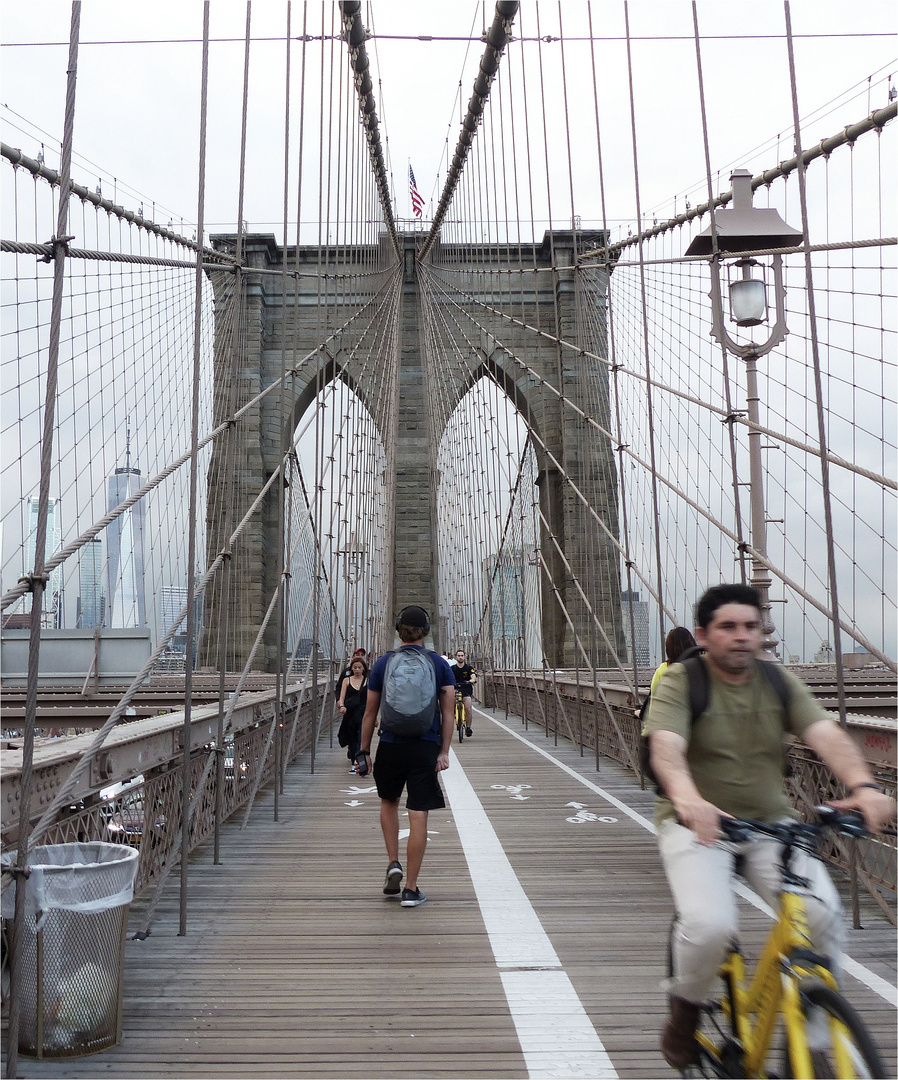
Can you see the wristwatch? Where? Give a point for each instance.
(869, 784)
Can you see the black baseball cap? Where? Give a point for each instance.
(413, 616)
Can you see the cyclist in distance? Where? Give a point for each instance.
(464, 680)
(728, 761)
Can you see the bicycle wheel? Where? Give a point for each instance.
(460, 721)
(720, 1055)
(847, 1040)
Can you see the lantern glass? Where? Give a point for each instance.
(748, 302)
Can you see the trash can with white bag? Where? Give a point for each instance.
(77, 898)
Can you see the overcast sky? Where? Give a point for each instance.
(137, 107)
(137, 103)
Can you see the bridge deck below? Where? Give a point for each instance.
(296, 965)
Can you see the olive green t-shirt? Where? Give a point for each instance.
(735, 751)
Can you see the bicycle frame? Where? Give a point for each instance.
(460, 718)
(774, 989)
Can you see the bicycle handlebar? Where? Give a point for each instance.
(848, 823)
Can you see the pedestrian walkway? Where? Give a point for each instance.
(538, 953)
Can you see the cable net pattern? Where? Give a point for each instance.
(519, 419)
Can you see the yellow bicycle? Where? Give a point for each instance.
(460, 722)
(740, 1033)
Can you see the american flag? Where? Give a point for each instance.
(417, 201)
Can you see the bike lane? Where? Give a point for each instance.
(578, 931)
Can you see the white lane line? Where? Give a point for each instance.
(863, 974)
(557, 1037)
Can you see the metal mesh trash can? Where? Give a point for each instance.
(77, 900)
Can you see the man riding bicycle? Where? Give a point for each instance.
(464, 680)
(728, 762)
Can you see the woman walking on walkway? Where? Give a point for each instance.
(351, 703)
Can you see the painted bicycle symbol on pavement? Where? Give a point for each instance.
(583, 815)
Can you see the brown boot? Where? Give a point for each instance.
(678, 1043)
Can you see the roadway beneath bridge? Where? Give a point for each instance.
(538, 953)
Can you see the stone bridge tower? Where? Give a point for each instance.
(552, 299)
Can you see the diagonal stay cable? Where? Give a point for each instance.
(19, 590)
(62, 796)
(849, 629)
(834, 459)
(537, 438)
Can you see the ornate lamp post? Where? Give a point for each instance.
(741, 229)
(353, 555)
(458, 612)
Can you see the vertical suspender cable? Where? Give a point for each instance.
(38, 577)
(818, 381)
(615, 367)
(496, 39)
(355, 34)
(560, 580)
(229, 505)
(821, 430)
(645, 329)
(284, 446)
(194, 437)
(715, 269)
(296, 282)
(584, 568)
(314, 503)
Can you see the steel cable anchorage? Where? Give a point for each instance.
(355, 36)
(497, 37)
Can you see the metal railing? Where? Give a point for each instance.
(576, 713)
(147, 813)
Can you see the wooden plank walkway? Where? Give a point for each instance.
(296, 965)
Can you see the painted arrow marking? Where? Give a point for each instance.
(355, 802)
(576, 805)
(358, 790)
(521, 798)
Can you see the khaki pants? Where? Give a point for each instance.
(701, 880)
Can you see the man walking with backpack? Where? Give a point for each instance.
(414, 689)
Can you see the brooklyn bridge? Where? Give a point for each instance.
(547, 371)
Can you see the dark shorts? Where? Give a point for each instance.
(412, 766)
(466, 689)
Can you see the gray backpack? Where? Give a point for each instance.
(409, 700)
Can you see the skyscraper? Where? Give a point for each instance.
(172, 600)
(91, 606)
(508, 579)
(642, 651)
(53, 599)
(124, 545)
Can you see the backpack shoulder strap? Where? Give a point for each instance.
(773, 673)
(699, 685)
